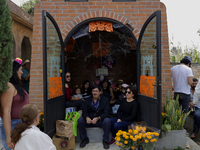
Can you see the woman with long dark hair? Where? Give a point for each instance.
(71, 101)
(12, 100)
(126, 114)
(86, 90)
(26, 135)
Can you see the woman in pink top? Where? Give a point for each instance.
(70, 101)
(12, 100)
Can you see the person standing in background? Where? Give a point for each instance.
(182, 77)
(26, 75)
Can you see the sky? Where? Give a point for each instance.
(183, 21)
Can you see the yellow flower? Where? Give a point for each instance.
(118, 139)
(132, 147)
(125, 142)
(126, 137)
(144, 135)
(146, 141)
(41, 113)
(134, 139)
(149, 137)
(123, 146)
(163, 113)
(130, 131)
(137, 137)
(131, 137)
(42, 120)
(144, 128)
(118, 134)
(135, 131)
(137, 128)
(153, 140)
(148, 133)
(156, 134)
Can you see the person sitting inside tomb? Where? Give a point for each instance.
(86, 89)
(70, 101)
(107, 91)
(126, 114)
(96, 112)
(77, 93)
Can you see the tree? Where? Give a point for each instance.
(6, 46)
(29, 5)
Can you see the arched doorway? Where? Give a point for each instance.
(26, 49)
(147, 53)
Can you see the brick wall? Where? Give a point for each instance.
(69, 14)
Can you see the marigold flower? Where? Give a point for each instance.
(131, 137)
(41, 113)
(118, 134)
(153, 140)
(118, 139)
(134, 139)
(132, 147)
(130, 131)
(146, 141)
(126, 137)
(163, 113)
(144, 128)
(149, 137)
(137, 137)
(118, 144)
(144, 135)
(125, 142)
(156, 134)
(148, 133)
(135, 131)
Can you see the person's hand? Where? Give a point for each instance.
(88, 120)
(112, 102)
(94, 120)
(119, 120)
(9, 143)
(191, 104)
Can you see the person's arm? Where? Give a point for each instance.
(190, 80)
(6, 103)
(112, 95)
(26, 78)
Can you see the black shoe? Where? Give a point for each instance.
(105, 145)
(84, 142)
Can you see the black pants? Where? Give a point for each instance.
(78, 104)
(184, 101)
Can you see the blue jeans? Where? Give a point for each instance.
(196, 124)
(116, 126)
(105, 124)
(3, 137)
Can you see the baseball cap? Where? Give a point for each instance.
(187, 58)
(124, 85)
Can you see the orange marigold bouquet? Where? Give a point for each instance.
(136, 137)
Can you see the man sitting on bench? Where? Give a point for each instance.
(96, 112)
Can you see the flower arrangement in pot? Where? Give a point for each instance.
(136, 137)
(41, 122)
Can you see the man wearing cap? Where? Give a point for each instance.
(26, 75)
(182, 80)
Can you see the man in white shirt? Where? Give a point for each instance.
(182, 79)
(195, 105)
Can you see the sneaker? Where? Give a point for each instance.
(193, 136)
(105, 145)
(84, 142)
(112, 141)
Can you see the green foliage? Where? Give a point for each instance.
(173, 117)
(179, 148)
(6, 46)
(28, 6)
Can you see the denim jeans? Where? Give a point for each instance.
(196, 120)
(3, 136)
(105, 124)
(115, 126)
(184, 101)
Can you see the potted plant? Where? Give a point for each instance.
(173, 120)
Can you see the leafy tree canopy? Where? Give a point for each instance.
(29, 5)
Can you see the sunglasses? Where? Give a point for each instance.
(68, 76)
(129, 92)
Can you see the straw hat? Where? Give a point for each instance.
(26, 61)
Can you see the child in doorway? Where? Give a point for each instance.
(77, 92)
